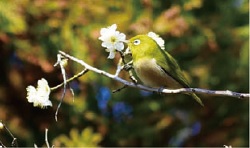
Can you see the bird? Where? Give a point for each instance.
(154, 66)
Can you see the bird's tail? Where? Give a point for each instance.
(197, 98)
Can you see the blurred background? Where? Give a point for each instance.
(209, 39)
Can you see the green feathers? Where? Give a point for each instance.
(197, 99)
(154, 66)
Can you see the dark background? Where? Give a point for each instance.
(209, 39)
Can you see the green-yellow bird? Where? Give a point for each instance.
(154, 66)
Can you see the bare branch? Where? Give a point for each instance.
(119, 67)
(167, 91)
(2, 145)
(119, 89)
(14, 139)
(60, 63)
(71, 79)
(46, 138)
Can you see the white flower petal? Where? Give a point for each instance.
(47, 103)
(31, 92)
(157, 39)
(39, 96)
(104, 44)
(43, 86)
(122, 37)
(104, 31)
(119, 46)
(42, 103)
(1, 125)
(109, 49)
(112, 40)
(111, 55)
(109, 45)
(113, 27)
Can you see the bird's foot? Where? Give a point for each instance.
(127, 67)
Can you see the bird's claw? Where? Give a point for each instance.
(127, 67)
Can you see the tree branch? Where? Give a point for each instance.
(14, 139)
(70, 79)
(167, 91)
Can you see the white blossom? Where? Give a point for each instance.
(157, 39)
(1, 125)
(39, 96)
(111, 53)
(112, 40)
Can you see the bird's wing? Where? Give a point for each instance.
(171, 67)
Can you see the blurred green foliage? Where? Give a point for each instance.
(86, 139)
(209, 38)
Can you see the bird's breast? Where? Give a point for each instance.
(151, 74)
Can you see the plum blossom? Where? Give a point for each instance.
(1, 125)
(112, 40)
(39, 96)
(157, 39)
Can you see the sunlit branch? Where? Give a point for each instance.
(63, 84)
(46, 138)
(167, 91)
(71, 79)
(61, 63)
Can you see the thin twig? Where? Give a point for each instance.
(119, 67)
(71, 79)
(46, 138)
(14, 141)
(2, 145)
(122, 57)
(63, 84)
(119, 89)
(65, 81)
(60, 63)
(181, 90)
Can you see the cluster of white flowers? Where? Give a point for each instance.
(39, 96)
(157, 39)
(112, 40)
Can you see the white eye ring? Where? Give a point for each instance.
(137, 42)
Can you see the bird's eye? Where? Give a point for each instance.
(137, 42)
